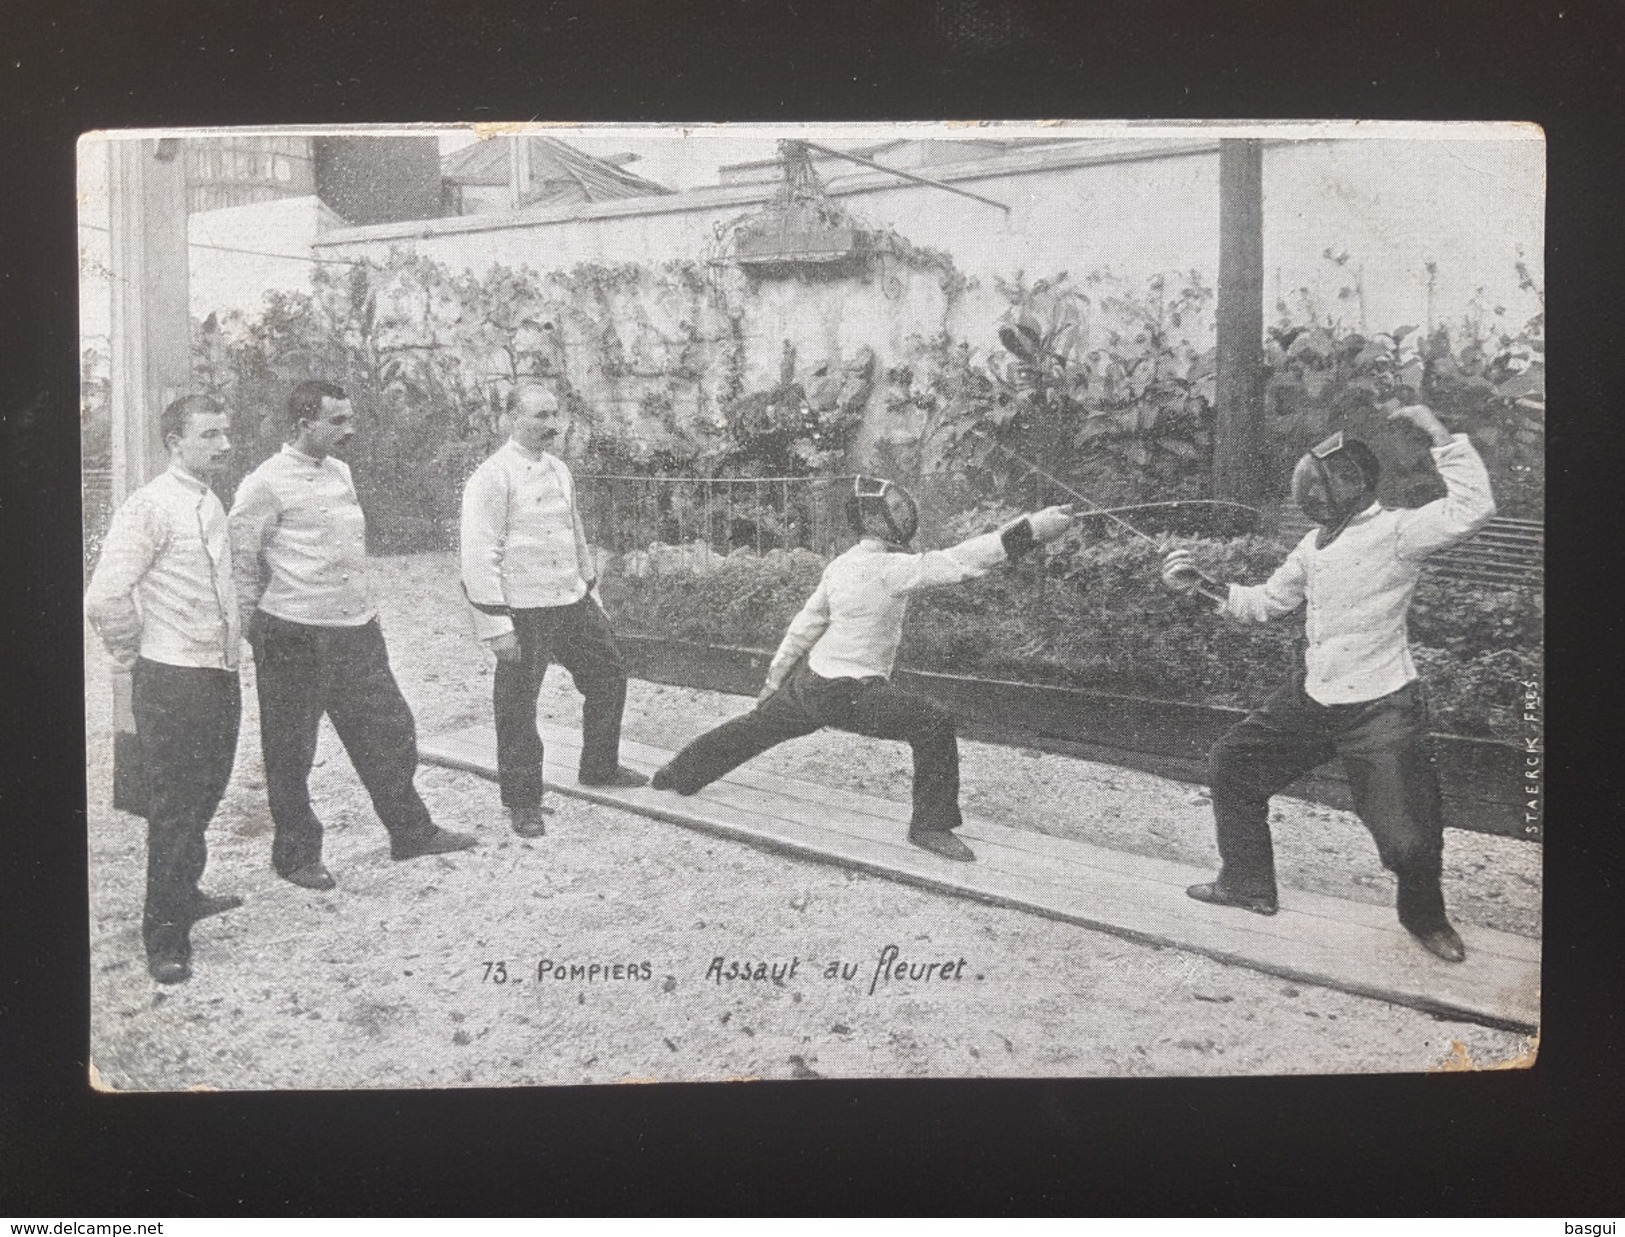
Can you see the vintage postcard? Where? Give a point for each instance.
(606, 603)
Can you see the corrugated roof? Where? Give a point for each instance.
(559, 174)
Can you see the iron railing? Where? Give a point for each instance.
(97, 489)
(1505, 554)
(624, 513)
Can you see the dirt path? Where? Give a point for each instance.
(383, 983)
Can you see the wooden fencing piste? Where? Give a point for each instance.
(1348, 946)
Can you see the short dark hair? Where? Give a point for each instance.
(305, 400)
(510, 401)
(174, 419)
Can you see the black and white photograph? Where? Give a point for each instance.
(598, 603)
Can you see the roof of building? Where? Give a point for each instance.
(559, 173)
(946, 150)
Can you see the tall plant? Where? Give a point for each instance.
(1111, 388)
(1484, 376)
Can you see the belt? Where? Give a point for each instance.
(873, 680)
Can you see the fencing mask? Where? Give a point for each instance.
(1334, 482)
(880, 508)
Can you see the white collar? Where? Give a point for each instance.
(188, 479)
(879, 545)
(542, 457)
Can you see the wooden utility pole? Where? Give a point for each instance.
(1239, 437)
(150, 346)
(518, 170)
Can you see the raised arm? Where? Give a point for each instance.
(1468, 502)
(132, 544)
(253, 515)
(484, 533)
(799, 637)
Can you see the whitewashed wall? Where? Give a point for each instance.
(1391, 205)
(238, 254)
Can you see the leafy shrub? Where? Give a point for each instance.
(1479, 695)
(648, 360)
(747, 601)
(1112, 389)
(1094, 615)
(1109, 387)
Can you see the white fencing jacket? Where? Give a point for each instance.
(1359, 587)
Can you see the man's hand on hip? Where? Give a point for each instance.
(505, 647)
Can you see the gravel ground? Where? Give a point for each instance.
(385, 983)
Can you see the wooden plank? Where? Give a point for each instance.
(1315, 939)
(847, 813)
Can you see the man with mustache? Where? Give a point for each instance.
(299, 544)
(529, 576)
(162, 601)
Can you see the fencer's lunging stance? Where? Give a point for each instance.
(834, 666)
(1357, 695)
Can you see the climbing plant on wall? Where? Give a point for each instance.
(1110, 385)
(648, 359)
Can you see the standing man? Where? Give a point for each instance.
(529, 575)
(298, 541)
(161, 599)
(1357, 695)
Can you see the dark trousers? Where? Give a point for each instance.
(303, 672)
(870, 707)
(1386, 754)
(579, 638)
(186, 723)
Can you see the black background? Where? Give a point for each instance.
(1546, 1141)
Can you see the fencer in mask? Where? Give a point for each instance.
(1333, 483)
(834, 665)
(1357, 695)
(884, 511)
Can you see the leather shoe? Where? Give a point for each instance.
(941, 842)
(619, 776)
(169, 953)
(1216, 894)
(663, 780)
(169, 968)
(436, 842)
(311, 876)
(1442, 942)
(528, 822)
(206, 904)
